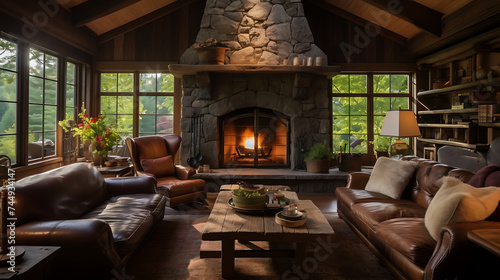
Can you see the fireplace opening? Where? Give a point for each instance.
(255, 137)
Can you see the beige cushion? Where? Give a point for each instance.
(391, 176)
(160, 167)
(457, 202)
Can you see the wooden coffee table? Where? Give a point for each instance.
(227, 225)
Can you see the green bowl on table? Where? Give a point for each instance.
(249, 199)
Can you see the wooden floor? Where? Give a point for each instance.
(172, 251)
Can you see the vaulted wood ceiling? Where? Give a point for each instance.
(399, 20)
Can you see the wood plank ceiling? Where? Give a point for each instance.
(404, 18)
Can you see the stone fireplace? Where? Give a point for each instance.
(257, 110)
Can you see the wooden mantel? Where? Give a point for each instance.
(179, 70)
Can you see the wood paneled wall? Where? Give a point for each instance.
(331, 32)
(168, 37)
(165, 39)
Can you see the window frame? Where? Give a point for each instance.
(136, 94)
(22, 108)
(369, 157)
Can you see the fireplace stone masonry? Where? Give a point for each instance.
(270, 32)
(309, 117)
(264, 38)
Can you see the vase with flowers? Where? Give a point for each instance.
(100, 136)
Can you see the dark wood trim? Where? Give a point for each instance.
(144, 20)
(26, 19)
(144, 66)
(413, 12)
(95, 9)
(463, 47)
(378, 67)
(360, 21)
(472, 19)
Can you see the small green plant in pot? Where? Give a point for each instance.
(249, 199)
(318, 158)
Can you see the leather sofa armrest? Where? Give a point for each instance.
(130, 185)
(454, 251)
(184, 172)
(357, 180)
(81, 233)
(143, 173)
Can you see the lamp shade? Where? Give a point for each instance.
(400, 123)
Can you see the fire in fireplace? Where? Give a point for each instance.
(255, 137)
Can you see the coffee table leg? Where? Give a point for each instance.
(227, 258)
(300, 252)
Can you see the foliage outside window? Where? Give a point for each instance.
(70, 90)
(119, 106)
(155, 99)
(355, 104)
(42, 108)
(8, 99)
(156, 112)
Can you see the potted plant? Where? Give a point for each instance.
(211, 51)
(100, 136)
(318, 158)
(250, 196)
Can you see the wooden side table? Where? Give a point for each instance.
(115, 171)
(489, 239)
(32, 265)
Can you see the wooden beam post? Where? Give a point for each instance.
(94, 9)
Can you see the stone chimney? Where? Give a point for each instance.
(264, 32)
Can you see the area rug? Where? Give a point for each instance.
(171, 251)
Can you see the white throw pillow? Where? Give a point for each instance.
(391, 176)
(457, 202)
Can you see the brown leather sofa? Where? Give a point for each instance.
(177, 187)
(98, 223)
(396, 233)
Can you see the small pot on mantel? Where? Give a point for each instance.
(211, 55)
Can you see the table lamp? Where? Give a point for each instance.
(401, 124)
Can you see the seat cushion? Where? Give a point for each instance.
(373, 213)
(130, 217)
(160, 167)
(349, 196)
(172, 187)
(409, 237)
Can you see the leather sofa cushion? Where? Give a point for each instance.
(160, 167)
(129, 217)
(351, 196)
(373, 213)
(171, 186)
(409, 237)
(67, 192)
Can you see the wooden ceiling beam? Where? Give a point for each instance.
(422, 16)
(360, 21)
(172, 7)
(94, 9)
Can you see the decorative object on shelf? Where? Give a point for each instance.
(100, 135)
(401, 124)
(318, 158)
(349, 162)
(211, 51)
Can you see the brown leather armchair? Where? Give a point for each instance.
(176, 185)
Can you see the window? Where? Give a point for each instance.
(117, 101)
(8, 99)
(154, 96)
(42, 104)
(71, 90)
(156, 112)
(359, 105)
